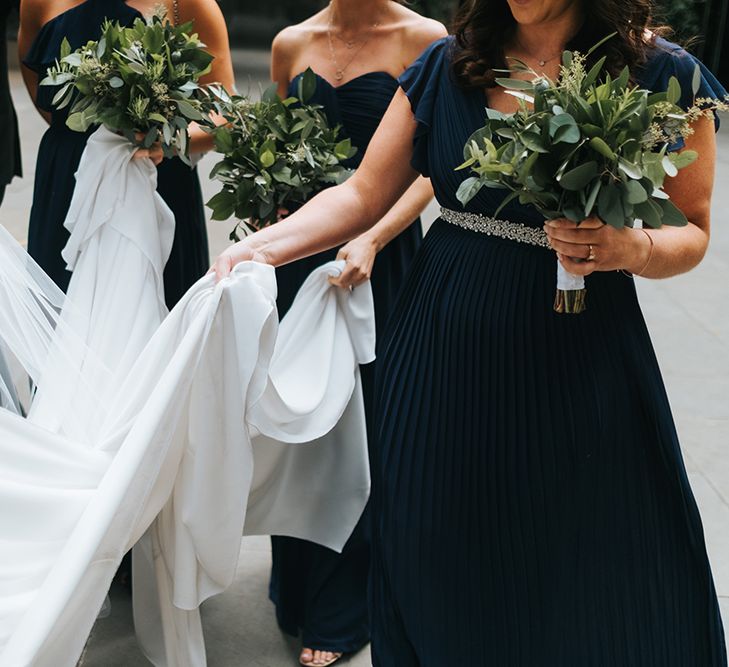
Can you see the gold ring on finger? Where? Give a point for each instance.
(591, 256)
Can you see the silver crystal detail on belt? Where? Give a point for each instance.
(513, 231)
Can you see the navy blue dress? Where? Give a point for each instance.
(316, 591)
(61, 149)
(530, 503)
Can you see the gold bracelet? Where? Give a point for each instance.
(650, 253)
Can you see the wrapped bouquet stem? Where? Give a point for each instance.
(571, 292)
(585, 145)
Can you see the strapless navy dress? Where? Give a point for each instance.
(61, 149)
(316, 591)
(530, 503)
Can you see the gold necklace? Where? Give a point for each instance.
(339, 71)
(542, 61)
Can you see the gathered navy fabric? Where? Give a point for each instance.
(318, 592)
(530, 503)
(60, 153)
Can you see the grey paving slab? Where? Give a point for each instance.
(240, 626)
(715, 514)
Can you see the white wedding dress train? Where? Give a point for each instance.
(169, 429)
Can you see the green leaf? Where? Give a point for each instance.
(673, 92)
(270, 94)
(630, 169)
(63, 96)
(669, 167)
(468, 190)
(65, 49)
(650, 213)
(592, 198)
(188, 111)
(594, 73)
(684, 158)
(78, 122)
(344, 149)
(224, 140)
(515, 84)
(533, 142)
(696, 80)
(599, 146)
(671, 214)
(564, 129)
(307, 85)
(610, 207)
(635, 192)
(579, 177)
(101, 48)
(222, 205)
(153, 40)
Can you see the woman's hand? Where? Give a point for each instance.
(235, 254)
(594, 246)
(359, 255)
(154, 152)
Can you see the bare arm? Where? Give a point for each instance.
(210, 25)
(361, 252)
(651, 253)
(283, 51)
(31, 21)
(680, 249)
(338, 214)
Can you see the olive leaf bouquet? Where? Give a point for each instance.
(139, 81)
(276, 154)
(589, 145)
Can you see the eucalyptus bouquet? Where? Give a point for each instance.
(141, 80)
(276, 153)
(588, 146)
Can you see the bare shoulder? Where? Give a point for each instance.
(294, 38)
(203, 12)
(418, 32)
(34, 14)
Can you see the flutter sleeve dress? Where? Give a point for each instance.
(61, 149)
(531, 506)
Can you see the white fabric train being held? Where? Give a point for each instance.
(165, 429)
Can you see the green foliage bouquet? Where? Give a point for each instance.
(276, 153)
(586, 147)
(138, 80)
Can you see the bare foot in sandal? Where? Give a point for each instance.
(315, 658)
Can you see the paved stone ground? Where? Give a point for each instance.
(690, 320)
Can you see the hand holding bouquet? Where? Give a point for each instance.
(585, 148)
(139, 81)
(276, 153)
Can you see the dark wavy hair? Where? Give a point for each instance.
(482, 29)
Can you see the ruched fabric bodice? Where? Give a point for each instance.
(356, 106)
(60, 153)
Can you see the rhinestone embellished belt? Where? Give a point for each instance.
(513, 231)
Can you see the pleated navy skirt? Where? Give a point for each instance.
(531, 506)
